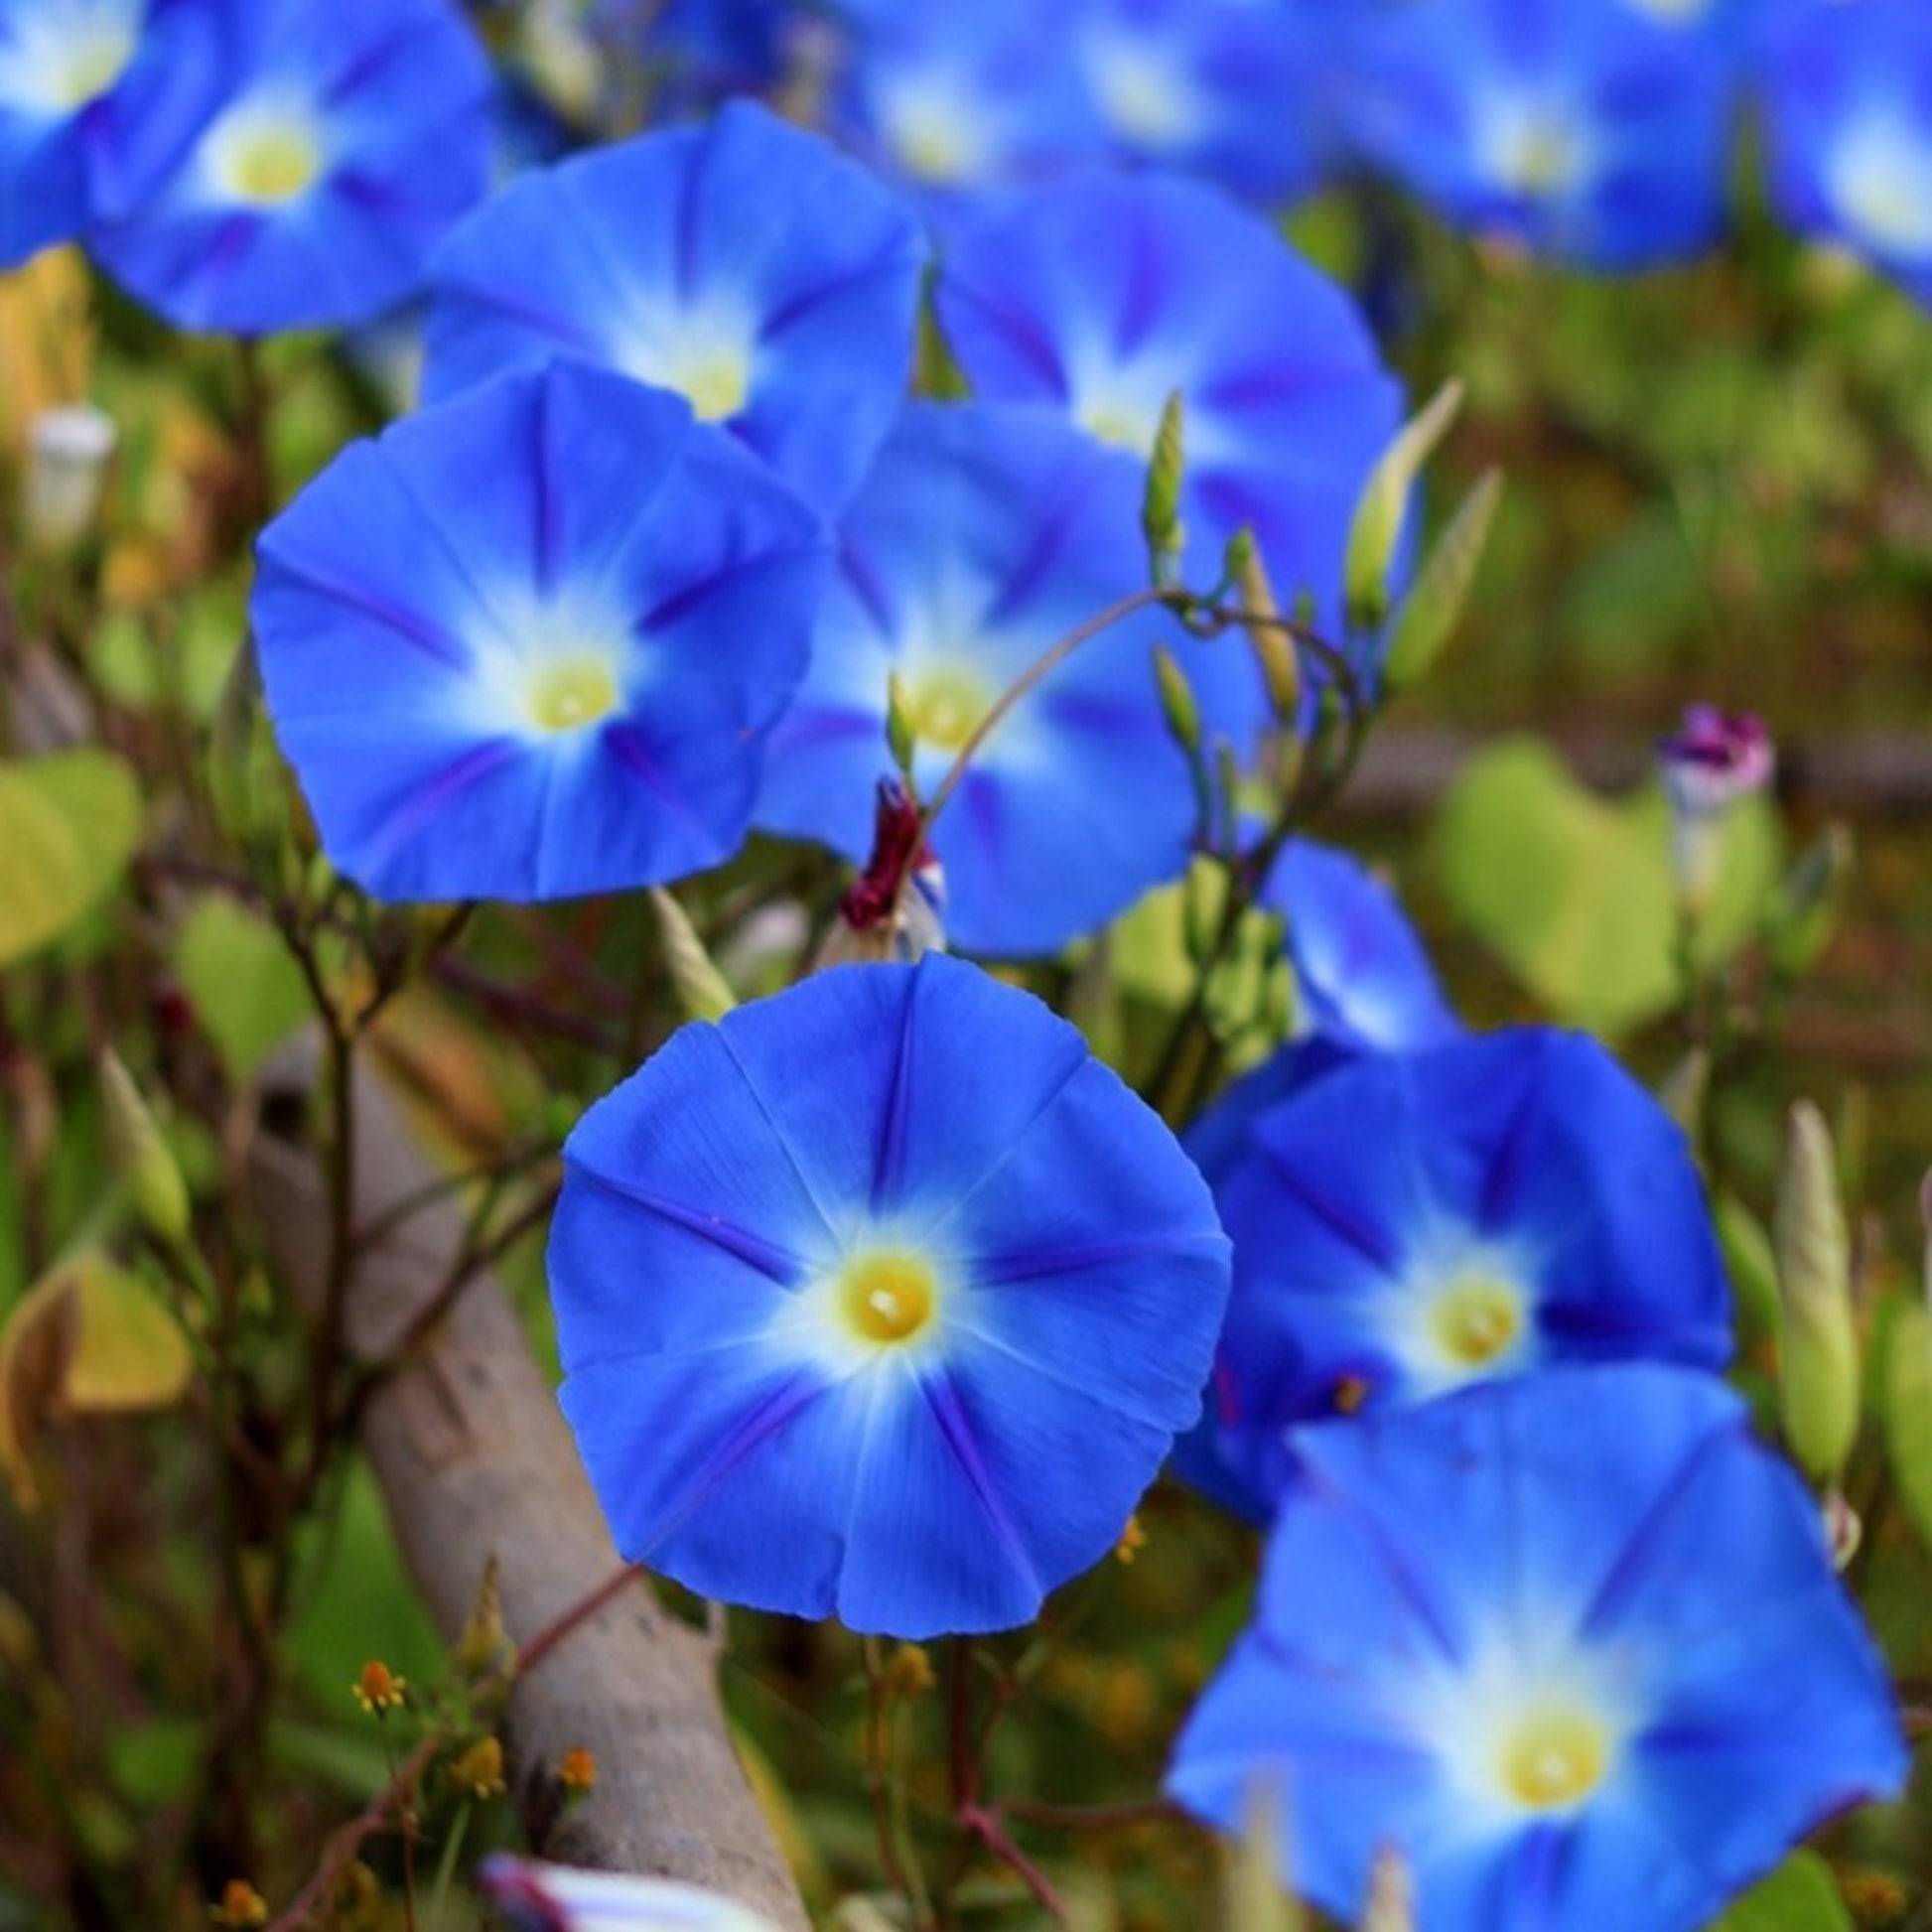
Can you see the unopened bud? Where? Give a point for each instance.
(1685, 1087)
(908, 1671)
(1818, 1354)
(69, 454)
(1271, 641)
(1391, 1903)
(135, 1142)
(1161, 505)
(1844, 1532)
(485, 1645)
(1178, 704)
(901, 734)
(1709, 764)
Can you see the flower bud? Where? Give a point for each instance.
(1271, 641)
(1818, 1353)
(1161, 505)
(159, 1193)
(68, 458)
(1714, 759)
(902, 733)
(1178, 704)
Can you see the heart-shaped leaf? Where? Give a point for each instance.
(69, 824)
(1573, 891)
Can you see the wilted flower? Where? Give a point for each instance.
(980, 539)
(1581, 129)
(879, 1297)
(1572, 1644)
(532, 1897)
(747, 265)
(1404, 1224)
(325, 171)
(1100, 298)
(1714, 759)
(529, 643)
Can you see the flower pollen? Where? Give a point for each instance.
(572, 692)
(1553, 1758)
(887, 1296)
(1476, 1321)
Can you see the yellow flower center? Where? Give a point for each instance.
(933, 143)
(886, 1297)
(572, 692)
(93, 65)
(1477, 1319)
(713, 385)
(270, 163)
(947, 707)
(1119, 429)
(1540, 157)
(1554, 1756)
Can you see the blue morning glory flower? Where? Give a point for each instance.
(95, 98)
(350, 134)
(1572, 1644)
(1098, 297)
(881, 1299)
(749, 266)
(1362, 976)
(1848, 112)
(1405, 1224)
(949, 97)
(1581, 129)
(531, 1895)
(1224, 89)
(981, 537)
(528, 643)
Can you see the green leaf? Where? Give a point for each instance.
(247, 993)
(69, 824)
(1799, 1897)
(1573, 891)
(1377, 524)
(1434, 607)
(1908, 1412)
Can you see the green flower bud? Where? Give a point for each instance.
(1160, 507)
(1818, 1353)
(901, 734)
(135, 1142)
(1178, 704)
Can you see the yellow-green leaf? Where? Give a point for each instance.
(1573, 891)
(69, 824)
(1799, 1897)
(247, 993)
(90, 1339)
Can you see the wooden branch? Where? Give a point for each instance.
(475, 1460)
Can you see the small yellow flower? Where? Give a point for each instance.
(241, 1905)
(576, 1770)
(379, 1689)
(479, 1770)
(1133, 1539)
